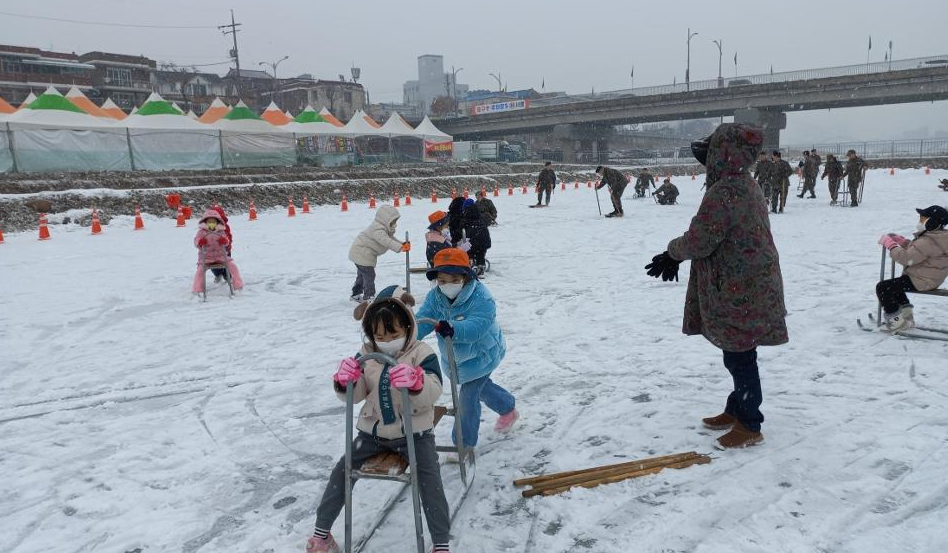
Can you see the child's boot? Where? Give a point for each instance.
(322, 545)
(505, 422)
(904, 319)
(723, 421)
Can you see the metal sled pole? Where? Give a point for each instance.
(413, 466)
(598, 205)
(349, 402)
(407, 267)
(881, 278)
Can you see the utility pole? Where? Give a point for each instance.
(688, 67)
(234, 53)
(454, 84)
(720, 44)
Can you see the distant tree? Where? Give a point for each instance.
(180, 77)
(443, 106)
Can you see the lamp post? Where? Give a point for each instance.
(500, 86)
(273, 65)
(454, 85)
(719, 43)
(688, 67)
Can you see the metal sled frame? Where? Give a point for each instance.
(207, 266)
(908, 333)
(409, 480)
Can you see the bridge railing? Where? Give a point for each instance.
(765, 78)
(882, 149)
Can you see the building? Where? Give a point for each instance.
(382, 111)
(250, 85)
(125, 79)
(192, 90)
(24, 70)
(342, 98)
(432, 82)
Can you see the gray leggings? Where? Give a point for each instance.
(365, 282)
(429, 482)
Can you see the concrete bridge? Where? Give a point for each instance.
(762, 100)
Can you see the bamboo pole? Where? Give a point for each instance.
(628, 464)
(604, 474)
(700, 460)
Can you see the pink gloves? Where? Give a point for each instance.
(406, 376)
(901, 240)
(348, 371)
(890, 241)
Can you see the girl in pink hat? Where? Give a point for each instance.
(211, 241)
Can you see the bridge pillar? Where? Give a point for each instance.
(590, 138)
(770, 121)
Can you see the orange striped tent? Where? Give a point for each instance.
(5, 107)
(330, 118)
(370, 121)
(85, 104)
(274, 115)
(214, 112)
(111, 109)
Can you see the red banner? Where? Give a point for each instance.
(439, 150)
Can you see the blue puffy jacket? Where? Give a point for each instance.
(479, 344)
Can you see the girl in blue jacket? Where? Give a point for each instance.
(465, 311)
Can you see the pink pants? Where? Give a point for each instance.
(198, 286)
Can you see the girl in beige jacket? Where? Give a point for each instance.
(372, 242)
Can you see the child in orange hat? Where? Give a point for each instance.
(438, 235)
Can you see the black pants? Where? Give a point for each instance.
(853, 191)
(478, 254)
(548, 190)
(744, 402)
(891, 293)
(809, 185)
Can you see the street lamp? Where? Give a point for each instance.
(273, 65)
(454, 85)
(719, 44)
(688, 67)
(499, 85)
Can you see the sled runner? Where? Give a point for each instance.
(209, 266)
(919, 332)
(394, 467)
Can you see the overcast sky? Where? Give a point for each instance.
(573, 46)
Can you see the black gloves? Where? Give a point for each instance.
(444, 329)
(663, 265)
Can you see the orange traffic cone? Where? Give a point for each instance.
(253, 211)
(694, 175)
(454, 193)
(576, 185)
(139, 223)
(397, 204)
(372, 201)
(484, 190)
(563, 185)
(525, 189)
(43, 229)
(345, 204)
(496, 191)
(407, 198)
(510, 190)
(589, 184)
(466, 194)
(96, 224)
(181, 219)
(1, 236)
(290, 209)
(434, 196)
(928, 170)
(892, 171)
(305, 204)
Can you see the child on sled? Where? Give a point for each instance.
(212, 244)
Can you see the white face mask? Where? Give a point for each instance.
(391, 348)
(451, 290)
(920, 227)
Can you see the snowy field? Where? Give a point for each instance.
(134, 418)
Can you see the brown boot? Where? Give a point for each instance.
(720, 422)
(739, 437)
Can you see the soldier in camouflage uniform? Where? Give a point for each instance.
(834, 170)
(810, 172)
(855, 166)
(644, 180)
(764, 175)
(781, 179)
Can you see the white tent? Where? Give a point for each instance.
(249, 141)
(396, 126)
(242, 119)
(56, 112)
(431, 133)
(177, 107)
(161, 139)
(310, 123)
(191, 115)
(358, 126)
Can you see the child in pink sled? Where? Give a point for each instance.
(211, 241)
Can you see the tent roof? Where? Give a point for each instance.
(215, 111)
(29, 100)
(6, 107)
(396, 126)
(288, 114)
(53, 110)
(370, 121)
(177, 107)
(330, 118)
(275, 116)
(427, 129)
(191, 115)
(112, 110)
(162, 121)
(156, 105)
(309, 115)
(241, 112)
(309, 122)
(84, 103)
(359, 126)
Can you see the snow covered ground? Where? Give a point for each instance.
(135, 418)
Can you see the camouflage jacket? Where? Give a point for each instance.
(833, 169)
(854, 168)
(764, 172)
(782, 170)
(645, 180)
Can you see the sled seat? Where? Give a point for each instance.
(391, 464)
(936, 292)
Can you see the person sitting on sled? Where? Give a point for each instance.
(438, 237)
(466, 313)
(389, 327)
(211, 241)
(925, 259)
(219, 273)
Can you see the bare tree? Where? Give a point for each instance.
(443, 106)
(180, 77)
(330, 92)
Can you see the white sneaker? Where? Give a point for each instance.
(356, 298)
(903, 320)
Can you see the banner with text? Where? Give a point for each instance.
(512, 105)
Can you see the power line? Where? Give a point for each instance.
(103, 23)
